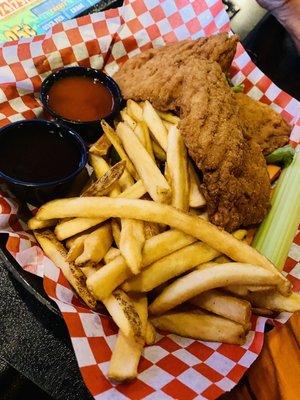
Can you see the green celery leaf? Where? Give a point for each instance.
(238, 88)
(282, 156)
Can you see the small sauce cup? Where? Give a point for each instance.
(80, 97)
(40, 160)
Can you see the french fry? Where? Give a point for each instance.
(196, 198)
(151, 229)
(207, 278)
(163, 214)
(222, 259)
(250, 236)
(166, 116)
(107, 181)
(229, 307)
(147, 138)
(275, 301)
(116, 231)
(264, 312)
(112, 253)
(237, 289)
(168, 125)
(101, 147)
(201, 326)
(76, 248)
(108, 278)
(57, 253)
(96, 245)
(168, 176)
(90, 268)
(125, 181)
(69, 242)
(243, 290)
(116, 272)
(124, 359)
(131, 243)
(150, 334)
(152, 119)
(154, 181)
(35, 224)
(175, 263)
(139, 133)
(127, 352)
(159, 153)
(115, 141)
(134, 110)
(178, 169)
(66, 229)
(100, 167)
(253, 289)
(124, 314)
(141, 305)
(170, 266)
(199, 212)
(130, 239)
(127, 119)
(165, 243)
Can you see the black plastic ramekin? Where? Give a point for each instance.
(39, 192)
(89, 130)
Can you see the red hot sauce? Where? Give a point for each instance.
(80, 98)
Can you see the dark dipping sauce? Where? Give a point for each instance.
(80, 98)
(37, 155)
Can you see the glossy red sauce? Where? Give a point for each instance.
(80, 98)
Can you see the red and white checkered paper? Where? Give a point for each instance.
(175, 367)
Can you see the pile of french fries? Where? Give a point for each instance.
(137, 239)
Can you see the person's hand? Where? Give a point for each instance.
(288, 14)
(271, 5)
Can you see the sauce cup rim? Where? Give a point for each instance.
(46, 85)
(81, 145)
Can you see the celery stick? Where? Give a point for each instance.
(275, 234)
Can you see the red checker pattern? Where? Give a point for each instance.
(162, 365)
(177, 390)
(172, 365)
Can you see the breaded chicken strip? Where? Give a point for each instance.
(141, 77)
(262, 124)
(235, 179)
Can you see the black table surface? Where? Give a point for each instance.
(36, 342)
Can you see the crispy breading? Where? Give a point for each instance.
(235, 180)
(158, 65)
(262, 124)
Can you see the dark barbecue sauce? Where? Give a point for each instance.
(37, 155)
(80, 98)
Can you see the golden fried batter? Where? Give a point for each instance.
(141, 77)
(262, 124)
(235, 180)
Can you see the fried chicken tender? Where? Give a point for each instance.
(140, 77)
(262, 124)
(235, 180)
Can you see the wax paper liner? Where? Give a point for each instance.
(175, 367)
